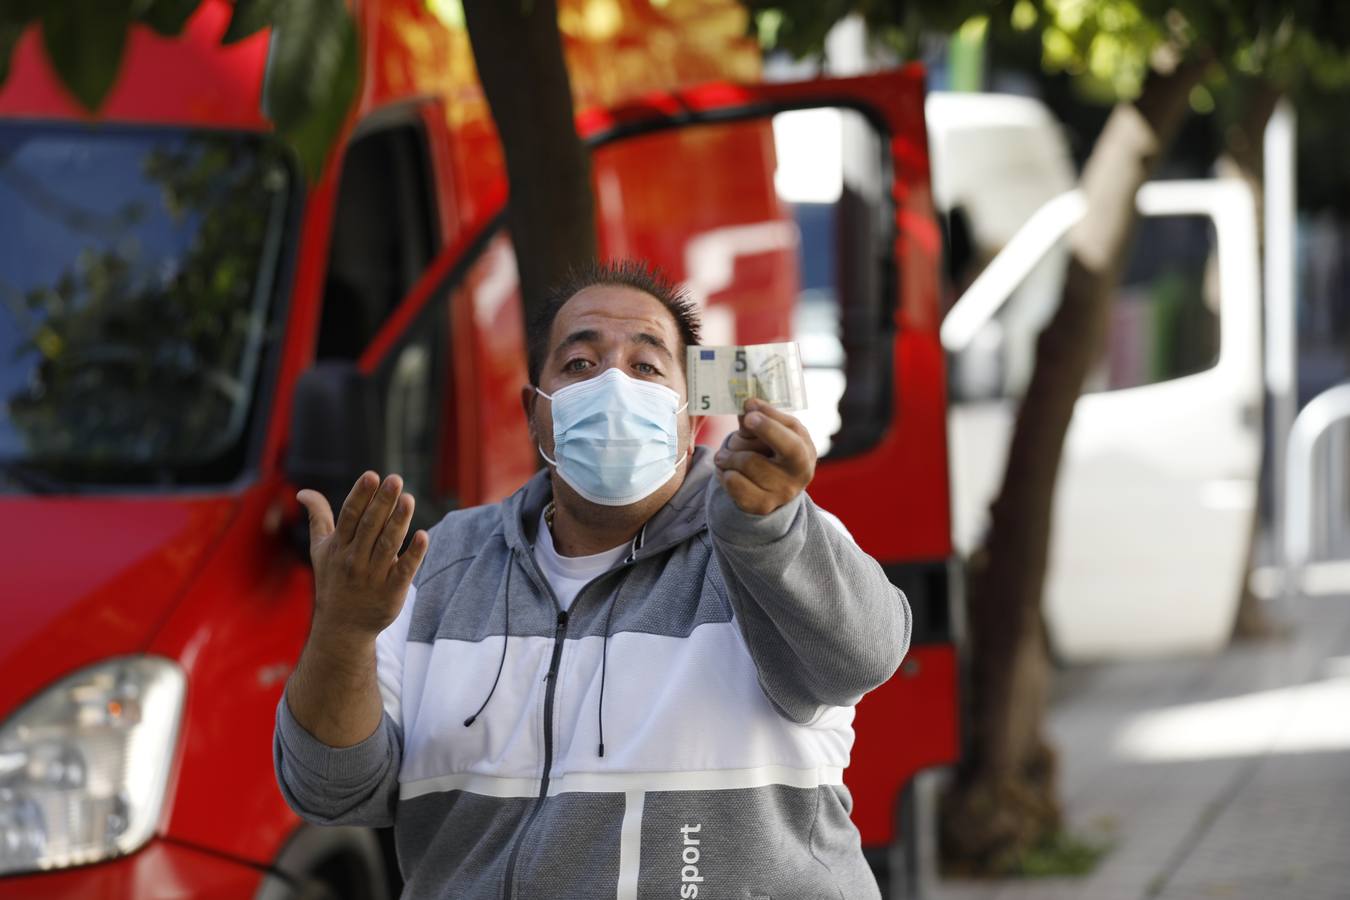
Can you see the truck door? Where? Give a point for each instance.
(1158, 480)
(384, 236)
(803, 212)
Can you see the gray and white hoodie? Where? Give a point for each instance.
(681, 731)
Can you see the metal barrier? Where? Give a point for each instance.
(1330, 506)
(1324, 411)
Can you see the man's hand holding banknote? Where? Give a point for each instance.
(771, 458)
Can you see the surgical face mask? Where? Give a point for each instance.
(614, 437)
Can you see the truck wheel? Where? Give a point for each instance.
(912, 858)
(332, 863)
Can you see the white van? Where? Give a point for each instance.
(1159, 476)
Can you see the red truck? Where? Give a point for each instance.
(189, 331)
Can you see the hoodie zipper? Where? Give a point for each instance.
(559, 637)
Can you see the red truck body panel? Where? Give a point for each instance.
(208, 579)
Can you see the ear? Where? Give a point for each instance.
(696, 424)
(527, 401)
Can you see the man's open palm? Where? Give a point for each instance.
(359, 577)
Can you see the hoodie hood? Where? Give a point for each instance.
(682, 516)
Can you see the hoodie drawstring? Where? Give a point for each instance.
(604, 651)
(604, 646)
(506, 635)
(604, 664)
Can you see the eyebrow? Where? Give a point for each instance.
(586, 336)
(652, 340)
(591, 336)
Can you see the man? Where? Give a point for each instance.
(634, 677)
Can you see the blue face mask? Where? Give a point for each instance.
(615, 437)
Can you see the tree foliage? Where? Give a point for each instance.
(313, 69)
(800, 26)
(1155, 60)
(1108, 44)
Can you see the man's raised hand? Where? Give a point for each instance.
(359, 577)
(768, 462)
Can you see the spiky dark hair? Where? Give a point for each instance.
(631, 273)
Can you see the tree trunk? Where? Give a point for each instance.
(1244, 141)
(518, 51)
(1004, 799)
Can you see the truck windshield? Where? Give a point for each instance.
(138, 297)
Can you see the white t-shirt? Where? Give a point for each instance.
(569, 574)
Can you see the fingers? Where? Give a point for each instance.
(360, 581)
(786, 442)
(355, 505)
(736, 443)
(745, 439)
(375, 517)
(755, 466)
(746, 494)
(319, 512)
(741, 428)
(768, 462)
(408, 563)
(753, 406)
(385, 552)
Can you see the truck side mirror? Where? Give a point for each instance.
(336, 434)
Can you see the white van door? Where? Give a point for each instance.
(1159, 475)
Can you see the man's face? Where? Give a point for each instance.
(603, 327)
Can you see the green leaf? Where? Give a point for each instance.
(84, 41)
(169, 17)
(312, 77)
(19, 12)
(15, 17)
(9, 39)
(252, 16)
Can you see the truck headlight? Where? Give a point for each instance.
(83, 766)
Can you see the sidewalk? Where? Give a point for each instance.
(1219, 778)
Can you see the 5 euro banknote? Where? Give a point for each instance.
(721, 379)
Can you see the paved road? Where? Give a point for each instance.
(1220, 778)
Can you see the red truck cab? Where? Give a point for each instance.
(189, 332)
